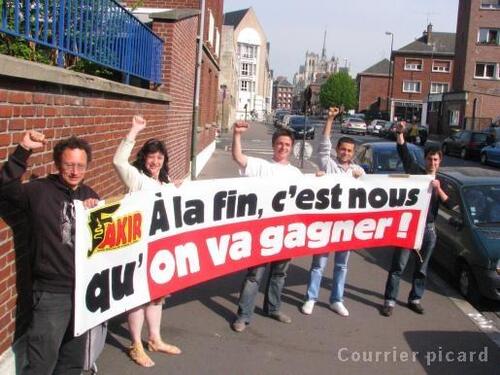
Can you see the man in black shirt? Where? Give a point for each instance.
(433, 157)
(48, 205)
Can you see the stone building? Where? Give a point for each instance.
(254, 75)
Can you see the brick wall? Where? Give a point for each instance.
(178, 76)
(425, 76)
(371, 88)
(210, 69)
(58, 112)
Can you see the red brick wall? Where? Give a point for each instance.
(370, 89)
(59, 112)
(469, 52)
(426, 76)
(210, 70)
(179, 62)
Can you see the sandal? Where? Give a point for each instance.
(138, 355)
(163, 347)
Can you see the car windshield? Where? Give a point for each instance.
(483, 204)
(388, 160)
(353, 119)
(300, 120)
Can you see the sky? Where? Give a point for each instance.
(355, 28)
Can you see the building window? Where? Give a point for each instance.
(485, 70)
(217, 42)
(244, 69)
(442, 66)
(244, 85)
(490, 4)
(411, 86)
(211, 26)
(488, 36)
(248, 51)
(437, 87)
(413, 64)
(454, 118)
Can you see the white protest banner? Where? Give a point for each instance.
(152, 243)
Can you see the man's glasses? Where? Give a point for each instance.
(74, 167)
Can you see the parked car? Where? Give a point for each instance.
(465, 143)
(278, 117)
(383, 157)
(297, 125)
(423, 133)
(468, 234)
(375, 127)
(493, 133)
(284, 121)
(388, 126)
(353, 125)
(491, 154)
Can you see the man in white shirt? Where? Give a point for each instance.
(342, 164)
(280, 166)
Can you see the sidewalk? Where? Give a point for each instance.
(444, 340)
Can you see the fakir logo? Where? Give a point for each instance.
(109, 232)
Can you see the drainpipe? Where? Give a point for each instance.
(474, 105)
(197, 85)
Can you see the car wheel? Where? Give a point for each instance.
(445, 149)
(464, 154)
(484, 158)
(467, 284)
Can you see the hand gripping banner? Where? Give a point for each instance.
(152, 243)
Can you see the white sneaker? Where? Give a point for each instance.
(339, 308)
(308, 306)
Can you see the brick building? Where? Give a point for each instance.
(171, 12)
(61, 103)
(475, 100)
(282, 94)
(373, 89)
(420, 68)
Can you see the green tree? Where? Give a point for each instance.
(340, 89)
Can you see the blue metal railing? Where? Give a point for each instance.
(101, 31)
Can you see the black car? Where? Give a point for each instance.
(469, 232)
(465, 143)
(383, 157)
(297, 124)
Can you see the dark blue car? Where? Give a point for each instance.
(383, 158)
(491, 154)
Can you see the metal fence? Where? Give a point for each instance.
(101, 31)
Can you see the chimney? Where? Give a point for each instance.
(429, 34)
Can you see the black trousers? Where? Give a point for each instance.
(52, 349)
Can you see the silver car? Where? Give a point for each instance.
(375, 127)
(353, 125)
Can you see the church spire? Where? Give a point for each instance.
(323, 51)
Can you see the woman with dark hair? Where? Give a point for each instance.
(148, 171)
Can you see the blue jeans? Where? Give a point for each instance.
(400, 260)
(338, 280)
(274, 286)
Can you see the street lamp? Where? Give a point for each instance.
(391, 73)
